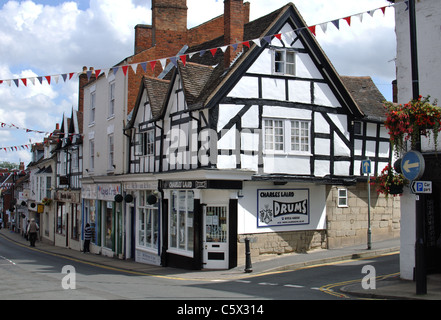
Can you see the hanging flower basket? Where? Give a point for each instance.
(46, 201)
(389, 182)
(409, 121)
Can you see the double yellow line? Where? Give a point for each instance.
(328, 288)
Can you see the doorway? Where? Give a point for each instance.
(215, 238)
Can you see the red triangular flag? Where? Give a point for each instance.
(312, 29)
(48, 78)
(97, 73)
(71, 75)
(278, 36)
(246, 43)
(348, 20)
(183, 59)
(152, 64)
(24, 81)
(383, 9)
(213, 51)
(125, 69)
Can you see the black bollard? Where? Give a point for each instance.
(248, 266)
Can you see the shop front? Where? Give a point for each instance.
(200, 223)
(68, 219)
(103, 211)
(143, 216)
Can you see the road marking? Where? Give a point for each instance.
(267, 284)
(10, 261)
(293, 286)
(242, 281)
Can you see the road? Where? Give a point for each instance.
(31, 274)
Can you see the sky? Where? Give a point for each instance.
(48, 37)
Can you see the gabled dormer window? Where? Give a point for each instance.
(283, 62)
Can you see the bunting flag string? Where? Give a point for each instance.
(50, 134)
(50, 79)
(17, 148)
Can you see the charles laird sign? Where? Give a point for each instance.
(281, 207)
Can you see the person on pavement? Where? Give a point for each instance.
(32, 232)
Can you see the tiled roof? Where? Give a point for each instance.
(366, 95)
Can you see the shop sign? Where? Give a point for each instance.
(184, 184)
(108, 191)
(281, 207)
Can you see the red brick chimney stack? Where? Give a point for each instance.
(236, 14)
(169, 25)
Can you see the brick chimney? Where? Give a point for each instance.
(169, 24)
(143, 37)
(236, 14)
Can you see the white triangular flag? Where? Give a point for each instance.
(134, 67)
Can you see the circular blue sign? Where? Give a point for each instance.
(412, 165)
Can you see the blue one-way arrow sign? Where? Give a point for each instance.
(412, 165)
(366, 166)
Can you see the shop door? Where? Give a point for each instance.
(215, 241)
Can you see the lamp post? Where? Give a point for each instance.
(420, 259)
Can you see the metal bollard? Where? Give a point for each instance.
(248, 266)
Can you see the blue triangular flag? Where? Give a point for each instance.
(144, 66)
(173, 60)
(336, 23)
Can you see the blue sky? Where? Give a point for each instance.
(44, 37)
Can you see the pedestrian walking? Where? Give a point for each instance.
(87, 238)
(32, 232)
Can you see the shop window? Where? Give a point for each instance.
(342, 197)
(75, 221)
(61, 218)
(108, 224)
(90, 216)
(148, 221)
(181, 233)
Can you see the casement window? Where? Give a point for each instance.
(111, 110)
(145, 143)
(342, 197)
(283, 62)
(287, 136)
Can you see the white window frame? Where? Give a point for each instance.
(92, 108)
(91, 155)
(185, 218)
(342, 197)
(111, 111)
(270, 135)
(111, 151)
(280, 63)
(143, 209)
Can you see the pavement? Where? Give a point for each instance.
(391, 287)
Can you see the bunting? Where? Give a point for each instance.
(51, 79)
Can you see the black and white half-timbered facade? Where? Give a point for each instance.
(67, 195)
(268, 147)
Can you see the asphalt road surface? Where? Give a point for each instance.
(29, 274)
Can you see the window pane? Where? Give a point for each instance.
(141, 235)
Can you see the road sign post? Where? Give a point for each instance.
(366, 166)
(412, 167)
